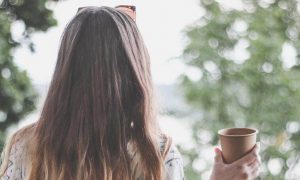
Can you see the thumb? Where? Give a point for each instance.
(218, 155)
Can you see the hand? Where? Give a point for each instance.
(245, 168)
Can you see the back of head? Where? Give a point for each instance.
(99, 101)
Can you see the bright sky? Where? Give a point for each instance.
(160, 22)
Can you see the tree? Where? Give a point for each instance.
(17, 95)
(246, 80)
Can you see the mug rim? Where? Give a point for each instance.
(221, 132)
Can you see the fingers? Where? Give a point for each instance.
(218, 155)
(257, 161)
(250, 157)
(255, 165)
(244, 168)
(249, 165)
(254, 168)
(248, 172)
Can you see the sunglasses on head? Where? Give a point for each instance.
(128, 9)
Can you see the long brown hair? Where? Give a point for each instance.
(99, 104)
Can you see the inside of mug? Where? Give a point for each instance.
(237, 131)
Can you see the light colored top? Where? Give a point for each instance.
(17, 170)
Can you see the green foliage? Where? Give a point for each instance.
(2, 140)
(17, 96)
(255, 89)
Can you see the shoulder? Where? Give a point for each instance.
(14, 154)
(13, 160)
(19, 140)
(172, 159)
(22, 135)
(173, 156)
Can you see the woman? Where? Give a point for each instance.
(99, 119)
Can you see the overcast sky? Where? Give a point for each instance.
(160, 22)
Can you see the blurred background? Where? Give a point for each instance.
(215, 64)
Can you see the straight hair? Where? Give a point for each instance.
(99, 117)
